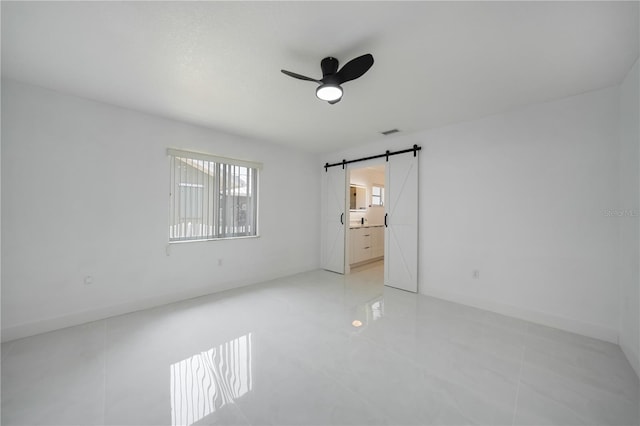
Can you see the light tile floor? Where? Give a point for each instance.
(286, 352)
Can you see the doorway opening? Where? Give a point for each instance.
(398, 217)
(365, 237)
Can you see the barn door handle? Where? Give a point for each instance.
(341, 218)
(385, 219)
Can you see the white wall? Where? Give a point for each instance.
(628, 221)
(85, 192)
(520, 197)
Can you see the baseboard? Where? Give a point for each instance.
(366, 262)
(50, 324)
(550, 320)
(632, 356)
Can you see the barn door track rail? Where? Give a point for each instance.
(387, 154)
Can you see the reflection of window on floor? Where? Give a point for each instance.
(377, 309)
(207, 381)
(368, 312)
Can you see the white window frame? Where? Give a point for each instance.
(212, 225)
(380, 196)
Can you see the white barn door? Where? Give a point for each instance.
(334, 217)
(401, 223)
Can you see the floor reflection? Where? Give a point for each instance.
(207, 381)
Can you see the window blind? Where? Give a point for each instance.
(211, 197)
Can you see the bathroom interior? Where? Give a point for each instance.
(366, 218)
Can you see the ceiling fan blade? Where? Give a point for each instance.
(299, 77)
(355, 68)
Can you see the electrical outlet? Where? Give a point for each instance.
(476, 274)
(88, 280)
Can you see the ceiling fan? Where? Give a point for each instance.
(329, 89)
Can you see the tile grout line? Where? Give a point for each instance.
(321, 372)
(104, 374)
(423, 368)
(242, 413)
(345, 388)
(515, 406)
(10, 345)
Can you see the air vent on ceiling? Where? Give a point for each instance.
(389, 132)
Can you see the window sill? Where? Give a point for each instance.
(214, 239)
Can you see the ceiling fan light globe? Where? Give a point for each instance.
(329, 92)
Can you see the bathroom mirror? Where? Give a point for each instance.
(357, 197)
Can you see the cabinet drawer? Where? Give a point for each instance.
(365, 244)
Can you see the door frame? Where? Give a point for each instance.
(350, 167)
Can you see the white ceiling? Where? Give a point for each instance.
(218, 63)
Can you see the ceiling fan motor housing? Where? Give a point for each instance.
(329, 66)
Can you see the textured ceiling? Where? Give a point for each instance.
(218, 64)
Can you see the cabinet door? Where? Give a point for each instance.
(378, 241)
(356, 244)
(352, 240)
(374, 242)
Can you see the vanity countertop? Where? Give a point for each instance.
(357, 226)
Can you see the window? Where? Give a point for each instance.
(377, 195)
(211, 197)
